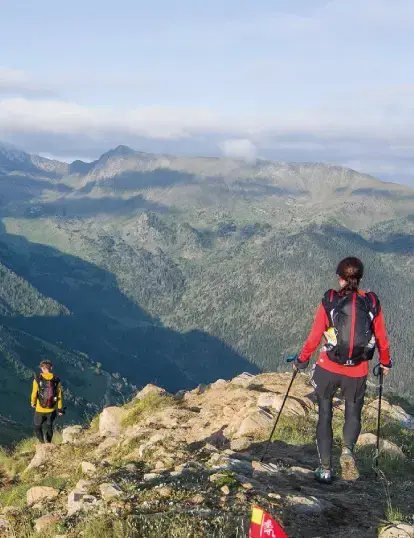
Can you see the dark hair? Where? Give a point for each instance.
(46, 364)
(351, 270)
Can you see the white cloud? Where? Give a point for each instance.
(239, 148)
(18, 82)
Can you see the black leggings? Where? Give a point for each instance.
(353, 389)
(39, 420)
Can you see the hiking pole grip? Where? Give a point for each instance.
(295, 372)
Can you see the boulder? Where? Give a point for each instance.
(110, 421)
(150, 389)
(307, 505)
(46, 521)
(402, 530)
(79, 500)
(370, 439)
(293, 406)
(106, 445)
(109, 491)
(44, 453)
(257, 422)
(38, 494)
(71, 434)
(395, 412)
(245, 379)
(88, 468)
(219, 384)
(180, 395)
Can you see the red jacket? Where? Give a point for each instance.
(321, 324)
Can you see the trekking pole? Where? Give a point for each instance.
(295, 372)
(378, 372)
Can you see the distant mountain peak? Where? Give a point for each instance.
(119, 151)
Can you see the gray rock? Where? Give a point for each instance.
(150, 389)
(109, 491)
(301, 471)
(80, 501)
(370, 439)
(219, 384)
(44, 454)
(71, 433)
(106, 445)
(307, 505)
(110, 421)
(244, 379)
(402, 530)
(257, 422)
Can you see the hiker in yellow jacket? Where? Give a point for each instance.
(47, 401)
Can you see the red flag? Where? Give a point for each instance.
(264, 526)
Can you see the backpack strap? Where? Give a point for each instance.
(373, 303)
(329, 302)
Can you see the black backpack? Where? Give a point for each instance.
(47, 393)
(351, 315)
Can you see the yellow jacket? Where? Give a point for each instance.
(35, 401)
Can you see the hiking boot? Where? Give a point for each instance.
(348, 465)
(323, 475)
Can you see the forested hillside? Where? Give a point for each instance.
(179, 271)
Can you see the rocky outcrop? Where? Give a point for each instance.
(71, 434)
(44, 453)
(110, 421)
(199, 457)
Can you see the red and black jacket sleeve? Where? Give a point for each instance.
(380, 333)
(320, 325)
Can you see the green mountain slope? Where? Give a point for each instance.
(181, 270)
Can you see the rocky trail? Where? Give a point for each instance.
(188, 465)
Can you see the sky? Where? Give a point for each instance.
(290, 80)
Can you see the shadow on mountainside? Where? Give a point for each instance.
(109, 327)
(90, 207)
(348, 510)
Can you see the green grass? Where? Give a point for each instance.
(16, 494)
(393, 515)
(296, 431)
(148, 405)
(25, 446)
(104, 527)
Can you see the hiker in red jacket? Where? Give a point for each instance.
(352, 323)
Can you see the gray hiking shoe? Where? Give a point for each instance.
(323, 475)
(348, 465)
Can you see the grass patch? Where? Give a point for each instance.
(16, 494)
(184, 525)
(104, 527)
(27, 445)
(393, 515)
(148, 405)
(296, 431)
(94, 424)
(226, 478)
